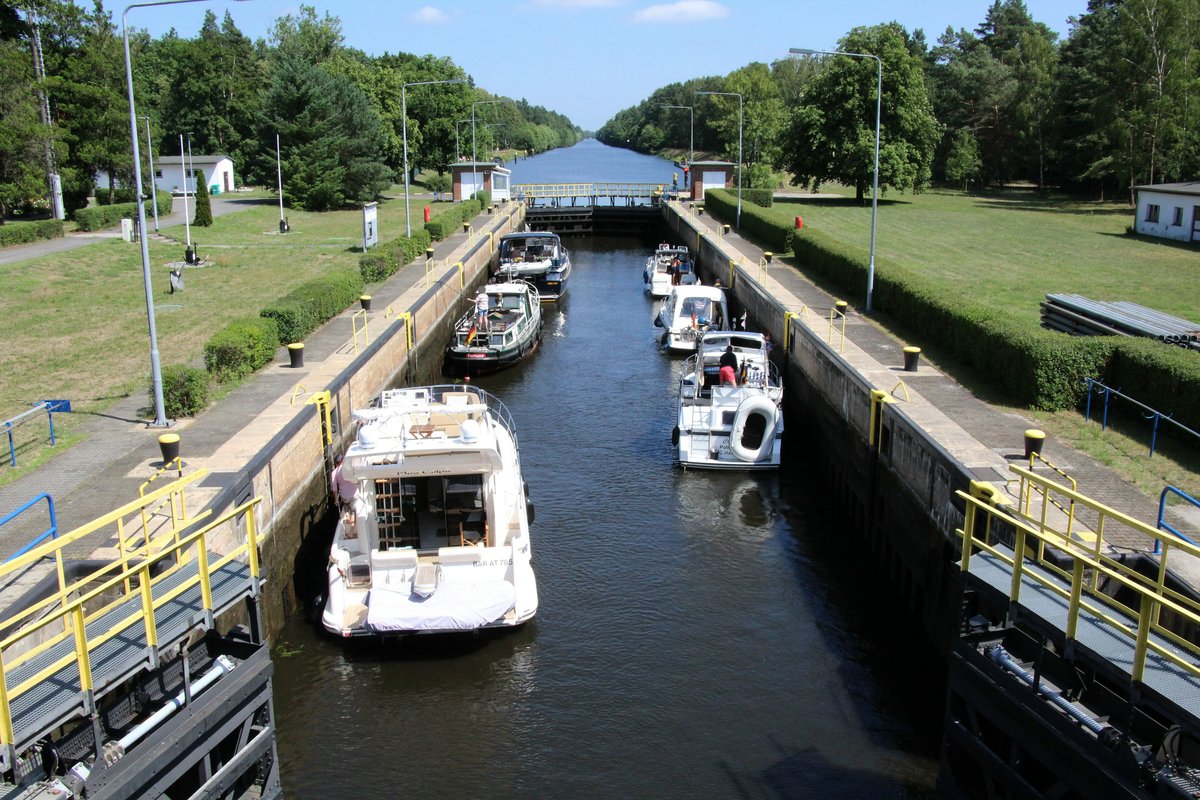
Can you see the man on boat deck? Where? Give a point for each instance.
(481, 311)
(729, 367)
(344, 489)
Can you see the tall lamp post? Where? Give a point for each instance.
(279, 179)
(404, 134)
(160, 414)
(691, 129)
(740, 103)
(474, 169)
(153, 181)
(187, 227)
(799, 51)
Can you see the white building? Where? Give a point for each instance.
(1169, 210)
(169, 173)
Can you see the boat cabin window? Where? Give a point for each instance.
(428, 512)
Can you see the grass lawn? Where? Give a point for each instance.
(1012, 248)
(74, 324)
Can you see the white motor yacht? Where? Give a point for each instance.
(670, 266)
(437, 538)
(688, 312)
(736, 425)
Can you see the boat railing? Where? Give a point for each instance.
(399, 400)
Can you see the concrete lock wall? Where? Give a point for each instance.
(290, 471)
(898, 496)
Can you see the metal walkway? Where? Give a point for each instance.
(65, 651)
(1065, 586)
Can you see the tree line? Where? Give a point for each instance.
(1114, 105)
(336, 110)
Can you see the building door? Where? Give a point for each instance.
(1195, 223)
(228, 188)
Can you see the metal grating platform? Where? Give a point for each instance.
(1094, 638)
(58, 698)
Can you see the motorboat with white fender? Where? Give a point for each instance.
(730, 405)
(688, 312)
(436, 539)
(538, 257)
(671, 265)
(502, 328)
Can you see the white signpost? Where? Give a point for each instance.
(370, 226)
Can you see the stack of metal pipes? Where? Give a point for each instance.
(1080, 316)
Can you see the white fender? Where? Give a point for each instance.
(758, 404)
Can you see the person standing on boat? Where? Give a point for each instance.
(344, 489)
(481, 311)
(729, 367)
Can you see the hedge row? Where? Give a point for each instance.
(304, 309)
(99, 217)
(447, 222)
(722, 203)
(379, 264)
(1029, 366)
(26, 232)
(241, 347)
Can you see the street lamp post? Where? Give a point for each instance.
(279, 179)
(195, 183)
(457, 145)
(691, 129)
(404, 135)
(187, 228)
(160, 414)
(875, 184)
(153, 181)
(740, 103)
(474, 169)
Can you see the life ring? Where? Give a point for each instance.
(744, 427)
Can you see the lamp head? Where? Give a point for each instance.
(802, 51)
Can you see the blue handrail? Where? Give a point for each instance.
(51, 532)
(1163, 525)
(1095, 386)
(49, 406)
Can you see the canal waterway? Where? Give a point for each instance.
(699, 635)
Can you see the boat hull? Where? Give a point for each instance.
(484, 361)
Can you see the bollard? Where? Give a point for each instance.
(429, 253)
(1034, 439)
(168, 443)
(768, 255)
(726, 229)
(466, 227)
(841, 306)
(912, 355)
(699, 211)
(296, 354)
(491, 209)
(365, 301)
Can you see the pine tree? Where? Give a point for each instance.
(203, 204)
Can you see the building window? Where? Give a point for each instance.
(1152, 212)
(158, 173)
(1178, 221)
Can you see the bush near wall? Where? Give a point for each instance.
(241, 347)
(722, 203)
(1029, 366)
(26, 232)
(448, 222)
(185, 390)
(760, 197)
(381, 263)
(308, 306)
(99, 217)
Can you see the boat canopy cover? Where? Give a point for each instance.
(453, 606)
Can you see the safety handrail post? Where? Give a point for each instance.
(7, 734)
(1014, 594)
(1073, 603)
(149, 620)
(205, 578)
(82, 656)
(1138, 668)
(252, 548)
(968, 535)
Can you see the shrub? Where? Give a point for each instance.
(377, 265)
(483, 198)
(760, 197)
(185, 390)
(1163, 377)
(722, 203)
(120, 195)
(241, 347)
(306, 307)
(94, 219)
(203, 204)
(26, 232)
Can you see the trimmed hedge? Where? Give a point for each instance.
(1028, 365)
(304, 309)
(382, 262)
(484, 199)
(99, 217)
(185, 390)
(447, 223)
(760, 197)
(722, 203)
(241, 347)
(26, 232)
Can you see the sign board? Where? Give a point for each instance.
(370, 225)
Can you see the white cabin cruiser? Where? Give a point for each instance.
(737, 425)
(688, 312)
(503, 327)
(669, 266)
(437, 539)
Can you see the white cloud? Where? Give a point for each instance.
(431, 16)
(578, 3)
(682, 11)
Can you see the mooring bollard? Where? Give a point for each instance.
(168, 443)
(1034, 439)
(912, 355)
(841, 306)
(296, 354)
(365, 301)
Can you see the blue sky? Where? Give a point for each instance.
(589, 59)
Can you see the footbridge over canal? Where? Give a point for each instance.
(592, 208)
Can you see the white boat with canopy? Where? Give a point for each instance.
(735, 421)
(690, 311)
(671, 265)
(437, 538)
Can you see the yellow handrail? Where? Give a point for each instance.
(354, 328)
(73, 614)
